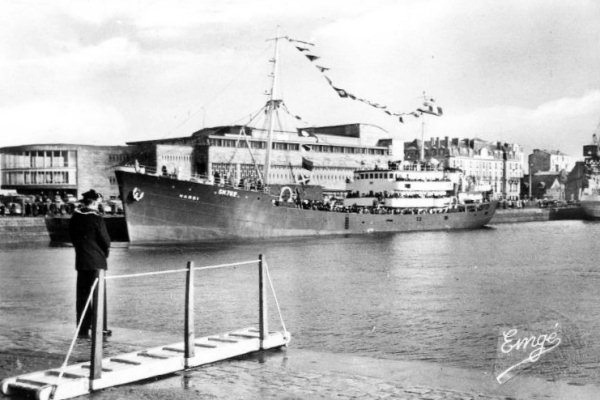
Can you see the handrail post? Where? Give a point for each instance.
(262, 303)
(105, 316)
(97, 327)
(189, 314)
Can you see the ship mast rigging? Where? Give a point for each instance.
(271, 108)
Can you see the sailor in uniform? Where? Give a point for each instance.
(92, 244)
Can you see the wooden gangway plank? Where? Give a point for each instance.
(104, 369)
(67, 375)
(173, 349)
(222, 339)
(245, 335)
(139, 365)
(207, 345)
(124, 361)
(37, 383)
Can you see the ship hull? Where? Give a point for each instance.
(591, 206)
(161, 210)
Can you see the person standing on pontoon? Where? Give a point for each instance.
(92, 245)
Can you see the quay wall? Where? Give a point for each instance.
(15, 230)
(33, 230)
(505, 216)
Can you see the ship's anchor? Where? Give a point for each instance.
(137, 194)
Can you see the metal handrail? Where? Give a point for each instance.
(97, 294)
(171, 271)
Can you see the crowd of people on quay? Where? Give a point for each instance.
(45, 205)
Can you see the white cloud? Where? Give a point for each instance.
(567, 108)
(145, 65)
(62, 121)
(562, 124)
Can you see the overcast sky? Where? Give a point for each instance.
(107, 72)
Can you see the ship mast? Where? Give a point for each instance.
(422, 155)
(271, 108)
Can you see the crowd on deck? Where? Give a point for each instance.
(387, 195)
(337, 206)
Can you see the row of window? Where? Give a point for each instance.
(40, 159)
(376, 175)
(281, 173)
(176, 157)
(118, 157)
(461, 151)
(475, 164)
(39, 178)
(296, 147)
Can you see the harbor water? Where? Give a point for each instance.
(440, 297)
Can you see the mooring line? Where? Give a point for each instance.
(88, 302)
(170, 271)
(275, 296)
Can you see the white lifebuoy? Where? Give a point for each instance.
(137, 194)
(286, 189)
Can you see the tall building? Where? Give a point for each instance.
(326, 156)
(487, 166)
(550, 161)
(553, 175)
(61, 168)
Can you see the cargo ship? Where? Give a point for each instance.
(590, 195)
(165, 208)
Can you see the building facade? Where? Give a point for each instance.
(487, 166)
(326, 156)
(50, 169)
(553, 175)
(550, 161)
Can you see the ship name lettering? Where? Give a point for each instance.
(230, 193)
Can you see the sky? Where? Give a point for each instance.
(109, 72)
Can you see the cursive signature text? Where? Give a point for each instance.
(535, 345)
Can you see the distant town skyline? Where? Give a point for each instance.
(111, 72)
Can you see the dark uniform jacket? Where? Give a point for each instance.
(90, 239)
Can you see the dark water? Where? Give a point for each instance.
(434, 296)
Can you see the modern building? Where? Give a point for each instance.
(487, 166)
(50, 169)
(326, 156)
